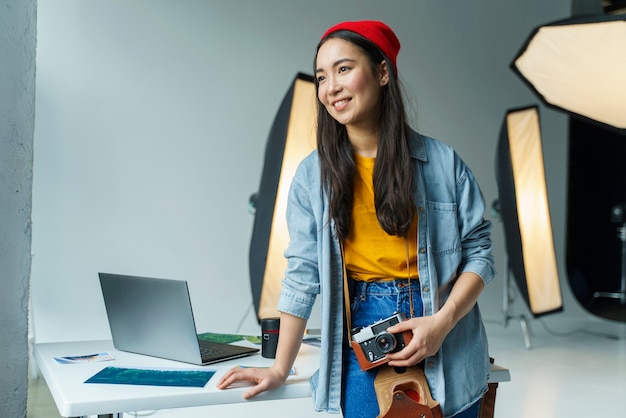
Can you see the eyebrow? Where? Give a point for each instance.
(336, 63)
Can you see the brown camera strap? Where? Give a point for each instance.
(346, 295)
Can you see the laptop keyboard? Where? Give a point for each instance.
(208, 350)
(211, 352)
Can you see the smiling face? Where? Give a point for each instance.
(348, 87)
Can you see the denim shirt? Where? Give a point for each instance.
(453, 237)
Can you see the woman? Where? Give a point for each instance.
(404, 215)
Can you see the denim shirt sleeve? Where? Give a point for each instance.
(475, 231)
(300, 284)
(314, 267)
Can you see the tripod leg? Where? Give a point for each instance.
(526, 332)
(621, 293)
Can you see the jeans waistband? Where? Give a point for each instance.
(385, 286)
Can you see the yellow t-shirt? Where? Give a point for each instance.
(370, 253)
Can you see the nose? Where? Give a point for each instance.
(333, 86)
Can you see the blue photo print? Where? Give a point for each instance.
(152, 377)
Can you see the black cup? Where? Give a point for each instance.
(269, 336)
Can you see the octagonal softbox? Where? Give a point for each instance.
(578, 65)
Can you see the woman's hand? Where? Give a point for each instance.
(264, 379)
(428, 333)
(291, 331)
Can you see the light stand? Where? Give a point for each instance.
(506, 306)
(617, 215)
(507, 299)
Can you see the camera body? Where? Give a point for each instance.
(373, 342)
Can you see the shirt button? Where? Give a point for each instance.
(422, 250)
(426, 289)
(422, 209)
(431, 364)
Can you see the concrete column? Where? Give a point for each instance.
(18, 29)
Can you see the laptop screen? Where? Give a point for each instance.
(151, 316)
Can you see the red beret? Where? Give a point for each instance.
(376, 32)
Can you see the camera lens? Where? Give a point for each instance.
(385, 342)
(270, 328)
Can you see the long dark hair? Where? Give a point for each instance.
(393, 171)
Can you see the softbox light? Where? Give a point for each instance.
(578, 65)
(291, 138)
(525, 212)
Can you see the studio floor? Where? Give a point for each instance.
(576, 367)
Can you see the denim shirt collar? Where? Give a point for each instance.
(417, 147)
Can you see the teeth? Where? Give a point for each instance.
(340, 102)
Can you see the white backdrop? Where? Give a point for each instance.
(152, 117)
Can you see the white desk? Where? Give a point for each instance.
(76, 399)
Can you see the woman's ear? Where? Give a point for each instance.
(384, 73)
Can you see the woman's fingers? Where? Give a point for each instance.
(234, 375)
(261, 386)
(263, 379)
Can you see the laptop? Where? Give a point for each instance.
(153, 317)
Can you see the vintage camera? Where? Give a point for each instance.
(372, 343)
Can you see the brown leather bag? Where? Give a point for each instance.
(404, 393)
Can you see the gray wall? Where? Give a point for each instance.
(151, 124)
(17, 120)
(152, 118)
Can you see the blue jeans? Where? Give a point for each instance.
(372, 302)
(471, 412)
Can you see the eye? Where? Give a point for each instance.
(320, 79)
(343, 69)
